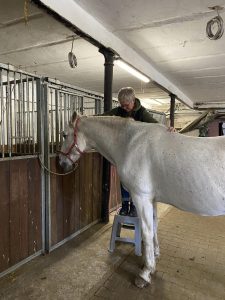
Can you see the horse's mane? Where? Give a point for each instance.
(112, 120)
(117, 120)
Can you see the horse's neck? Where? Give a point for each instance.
(103, 135)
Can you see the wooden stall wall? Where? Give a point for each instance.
(115, 194)
(20, 210)
(76, 201)
(75, 198)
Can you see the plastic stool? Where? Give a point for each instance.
(130, 223)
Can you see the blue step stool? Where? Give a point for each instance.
(132, 223)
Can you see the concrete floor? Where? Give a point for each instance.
(191, 265)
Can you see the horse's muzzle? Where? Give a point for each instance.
(66, 166)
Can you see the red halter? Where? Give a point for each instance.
(74, 144)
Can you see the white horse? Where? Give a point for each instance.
(154, 165)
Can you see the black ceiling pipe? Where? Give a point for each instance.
(172, 109)
(108, 80)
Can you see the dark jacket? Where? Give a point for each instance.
(139, 113)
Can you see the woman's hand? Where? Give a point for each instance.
(171, 129)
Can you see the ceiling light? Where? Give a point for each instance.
(131, 70)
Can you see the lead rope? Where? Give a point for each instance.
(55, 173)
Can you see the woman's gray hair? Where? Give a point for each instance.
(126, 94)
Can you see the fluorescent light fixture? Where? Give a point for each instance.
(131, 70)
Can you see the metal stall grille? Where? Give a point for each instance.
(18, 112)
(63, 100)
(115, 103)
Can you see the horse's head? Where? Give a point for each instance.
(73, 144)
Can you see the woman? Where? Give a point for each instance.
(130, 107)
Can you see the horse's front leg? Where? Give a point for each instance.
(145, 212)
(155, 229)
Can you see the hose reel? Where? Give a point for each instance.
(215, 22)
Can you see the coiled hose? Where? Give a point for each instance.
(215, 36)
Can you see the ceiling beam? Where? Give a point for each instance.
(41, 45)
(210, 105)
(165, 22)
(17, 21)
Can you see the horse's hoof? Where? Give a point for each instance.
(141, 283)
(153, 271)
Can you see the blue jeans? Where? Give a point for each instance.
(125, 194)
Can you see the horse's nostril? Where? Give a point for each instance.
(66, 166)
(63, 164)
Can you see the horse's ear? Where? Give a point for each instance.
(74, 116)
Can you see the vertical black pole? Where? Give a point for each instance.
(108, 79)
(172, 109)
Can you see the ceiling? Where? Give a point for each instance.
(166, 40)
(172, 36)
